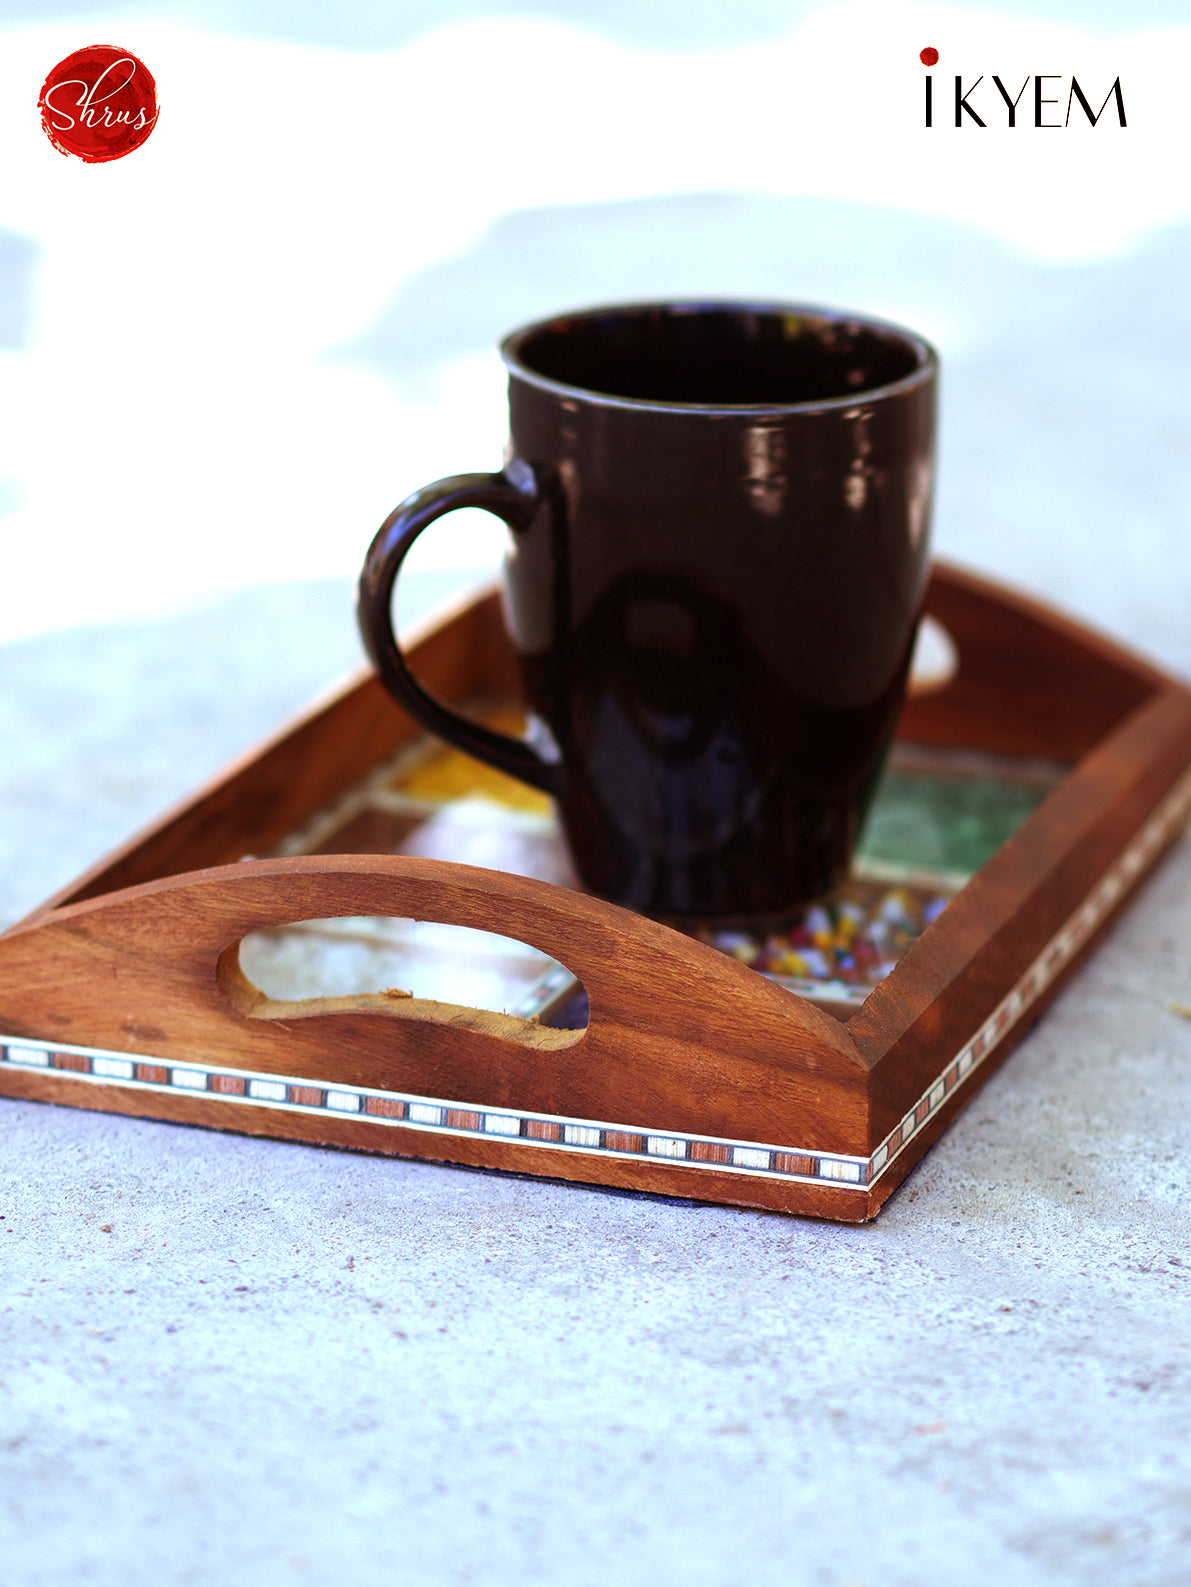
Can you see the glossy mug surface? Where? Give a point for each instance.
(719, 521)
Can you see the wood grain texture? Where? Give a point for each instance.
(954, 975)
(140, 956)
(879, 1192)
(679, 1034)
(1030, 681)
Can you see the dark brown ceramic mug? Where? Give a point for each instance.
(719, 518)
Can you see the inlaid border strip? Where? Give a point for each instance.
(597, 1139)
(429, 1115)
(1051, 962)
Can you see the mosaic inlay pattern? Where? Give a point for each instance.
(546, 1132)
(427, 1114)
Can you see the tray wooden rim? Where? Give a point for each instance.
(874, 1092)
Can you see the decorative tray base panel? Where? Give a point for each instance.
(936, 818)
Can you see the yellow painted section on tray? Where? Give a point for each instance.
(450, 774)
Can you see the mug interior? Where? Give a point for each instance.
(718, 355)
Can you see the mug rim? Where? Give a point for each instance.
(926, 369)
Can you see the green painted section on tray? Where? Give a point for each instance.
(944, 822)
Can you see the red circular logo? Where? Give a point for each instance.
(929, 56)
(99, 103)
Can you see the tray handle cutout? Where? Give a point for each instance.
(935, 662)
(678, 1033)
(315, 967)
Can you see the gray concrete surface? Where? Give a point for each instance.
(232, 1361)
(246, 1362)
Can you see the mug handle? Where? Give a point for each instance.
(513, 499)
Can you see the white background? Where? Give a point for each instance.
(215, 371)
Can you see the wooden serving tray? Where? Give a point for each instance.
(695, 1076)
